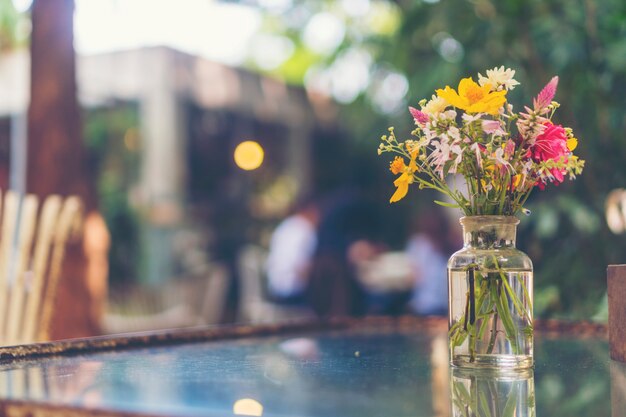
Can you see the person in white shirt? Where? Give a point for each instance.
(292, 246)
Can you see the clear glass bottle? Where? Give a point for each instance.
(490, 294)
(478, 392)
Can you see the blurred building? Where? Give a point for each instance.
(188, 115)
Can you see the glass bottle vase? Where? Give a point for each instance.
(490, 294)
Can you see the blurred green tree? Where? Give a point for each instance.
(14, 26)
(433, 43)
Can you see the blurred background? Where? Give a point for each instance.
(231, 148)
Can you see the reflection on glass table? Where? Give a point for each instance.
(360, 370)
(489, 394)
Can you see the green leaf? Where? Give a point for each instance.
(507, 321)
(511, 403)
(444, 204)
(462, 392)
(484, 405)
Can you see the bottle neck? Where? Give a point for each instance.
(489, 232)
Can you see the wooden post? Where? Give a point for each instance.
(616, 289)
(618, 389)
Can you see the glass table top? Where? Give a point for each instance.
(355, 372)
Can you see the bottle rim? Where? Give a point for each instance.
(491, 219)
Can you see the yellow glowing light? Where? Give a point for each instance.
(247, 407)
(131, 139)
(616, 211)
(249, 155)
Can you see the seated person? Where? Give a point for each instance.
(291, 251)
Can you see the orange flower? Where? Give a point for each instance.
(397, 166)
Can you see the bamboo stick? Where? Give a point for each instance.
(69, 223)
(6, 242)
(48, 219)
(36, 387)
(28, 219)
(4, 384)
(18, 382)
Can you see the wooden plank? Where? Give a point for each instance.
(28, 220)
(45, 233)
(618, 389)
(616, 288)
(69, 223)
(6, 244)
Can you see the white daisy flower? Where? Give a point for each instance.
(435, 106)
(499, 78)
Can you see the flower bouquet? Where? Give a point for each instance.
(470, 145)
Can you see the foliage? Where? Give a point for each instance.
(584, 41)
(14, 26)
(112, 139)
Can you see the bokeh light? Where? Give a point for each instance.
(616, 211)
(356, 8)
(449, 48)
(388, 91)
(249, 155)
(247, 407)
(270, 51)
(324, 33)
(22, 5)
(348, 77)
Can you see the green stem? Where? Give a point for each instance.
(511, 402)
(507, 322)
(471, 305)
(466, 315)
(516, 301)
(528, 301)
(521, 310)
(472, 296)
(494, 332)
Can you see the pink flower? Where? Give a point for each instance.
(550, 144)
(546, 95)
(420, 117)
(493, 126)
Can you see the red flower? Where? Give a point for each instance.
(551, 145)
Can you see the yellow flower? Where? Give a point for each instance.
(402, 184)
(487, 177)
(473, 98)
(406, 178)
(515, 181)
(572, 143)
